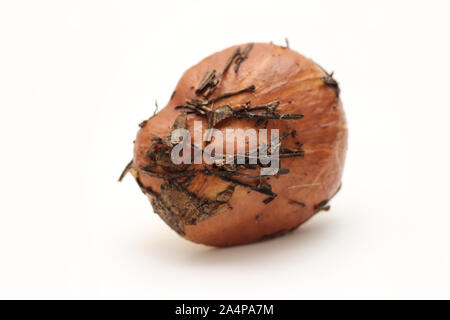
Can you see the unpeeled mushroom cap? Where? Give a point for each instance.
(215, 212)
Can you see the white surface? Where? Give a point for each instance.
(77, 77)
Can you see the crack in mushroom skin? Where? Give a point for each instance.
(204, 207)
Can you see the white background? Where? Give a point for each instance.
(77, 77)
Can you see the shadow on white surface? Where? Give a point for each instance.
(181, 251)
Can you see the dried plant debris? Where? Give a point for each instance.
(230, 94)
(242, 111)
(331, 82)
(178, 178)
(179, 207)
(174, 203)
(323, 205)
(126, 170)
(243, 56)
(143, 123)
(212, 79)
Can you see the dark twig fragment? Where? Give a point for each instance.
(263, 188)
(243, 56)
(126, 170)
(230, 94)
(206, 81)
(287, 42)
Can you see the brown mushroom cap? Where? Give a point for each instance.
(229, 214)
